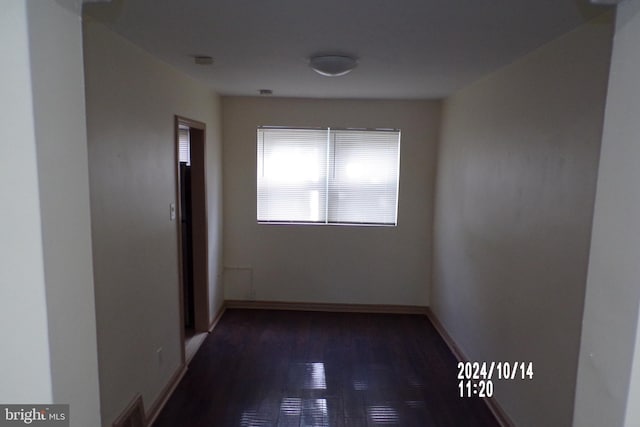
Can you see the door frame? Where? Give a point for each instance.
(200, 240)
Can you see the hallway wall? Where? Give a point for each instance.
(516, 181)
(48, 352)
(608, 386)
(131, 102)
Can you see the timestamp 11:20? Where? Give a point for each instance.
(481, 388)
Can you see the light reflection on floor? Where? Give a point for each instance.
(360, 385)
(314, 413)
(382, 414)
(251, 418)
(314, 376)
(291, 406)
(295, 411)
(308, 405)
(416, 404)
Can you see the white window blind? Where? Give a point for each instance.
(328, 176)
(184, 149)
(363, 185)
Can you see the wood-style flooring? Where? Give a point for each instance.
(294, 368)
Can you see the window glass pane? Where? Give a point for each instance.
(184, 148)
(292, 166)
(363, 183)
(327, 176)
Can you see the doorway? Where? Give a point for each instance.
(192, 233)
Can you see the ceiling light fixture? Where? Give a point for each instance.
(332, 65)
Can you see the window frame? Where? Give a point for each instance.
(329, 166)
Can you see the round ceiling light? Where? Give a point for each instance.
(332, 65)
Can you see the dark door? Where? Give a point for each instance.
(187, 245)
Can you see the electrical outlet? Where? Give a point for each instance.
(172, 211)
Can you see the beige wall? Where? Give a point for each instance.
(60, 130)
(604, 389)
(131, 102)
(47, 312)
(333, 264)
(515, 189)
(25, 366)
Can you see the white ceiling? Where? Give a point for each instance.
(407, 49)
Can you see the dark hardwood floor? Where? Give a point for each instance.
(290, 368)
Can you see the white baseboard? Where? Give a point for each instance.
(329, 307)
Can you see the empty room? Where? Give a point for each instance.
(340, 213)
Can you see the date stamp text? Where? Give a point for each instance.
(476, 379)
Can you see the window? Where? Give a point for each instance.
(328, 176)
(184, 148)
